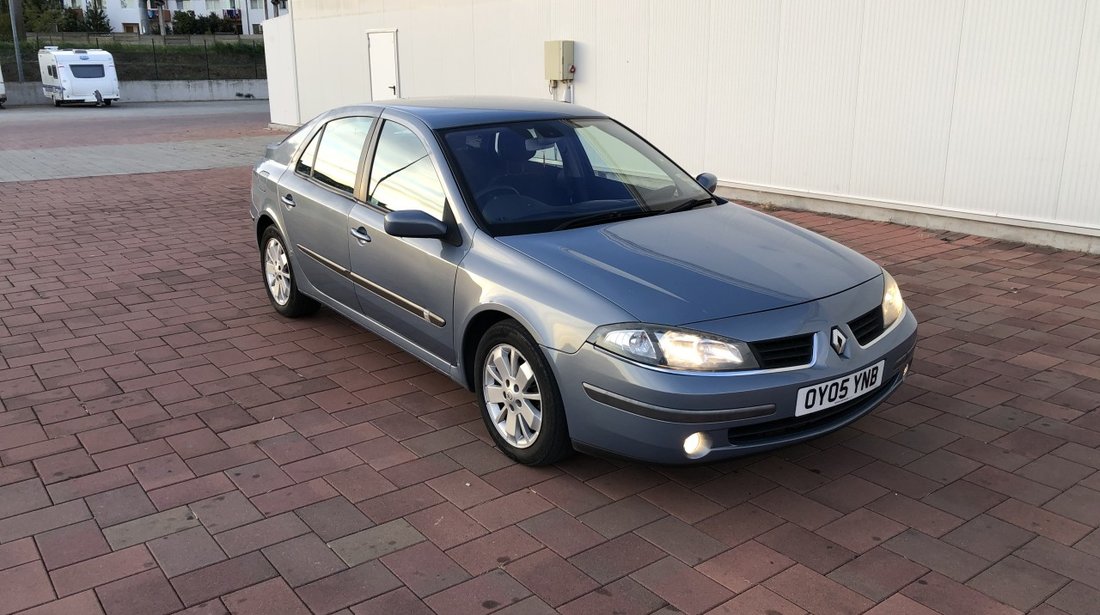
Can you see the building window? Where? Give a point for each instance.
(256, 4)
(179, 5)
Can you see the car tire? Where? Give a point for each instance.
(531, 391)
(279, 281)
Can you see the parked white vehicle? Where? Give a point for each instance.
(78, 75)
(3, 91)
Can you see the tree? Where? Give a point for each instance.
(95, 18)
(42, 15)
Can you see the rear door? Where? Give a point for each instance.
(316, 196)
(407, 284)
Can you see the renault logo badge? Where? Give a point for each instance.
(838, 341)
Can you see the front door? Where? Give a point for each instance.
(316, 196)
(384, 74)
(406, 284)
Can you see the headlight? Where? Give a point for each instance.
(893, 306)
(675, 348)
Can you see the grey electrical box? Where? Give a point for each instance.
(559, 60)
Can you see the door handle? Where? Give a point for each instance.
(288, 200)
(361, 235)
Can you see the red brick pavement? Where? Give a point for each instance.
(167, 442)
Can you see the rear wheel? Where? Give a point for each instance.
(57, 103)
(519, 398)
(108, 102)
(282, 288)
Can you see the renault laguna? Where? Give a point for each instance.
(591, 293)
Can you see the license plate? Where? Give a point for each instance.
(825, 395)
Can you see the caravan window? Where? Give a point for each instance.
(87, 71)
(52, 70)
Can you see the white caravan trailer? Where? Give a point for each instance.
(78, 75)
(3, 91)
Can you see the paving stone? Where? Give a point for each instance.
(560, 531)
(759, 599)
(100, 570)
(375, 542)
(679, 539)
(18, 552)
(84, 603)
(937, 555)
(680, 585)
(260, 534)
(43, 520)
(946, 596)
(400, 600)
(805, 547)
(988, 537)
(273, 596)
(622, 516)
(21, 497)
(71, 544)
(24, 586)
(877, 573)
(303, 559)
(147, 593)
(352, 586)
(1017, 583)
(119, 505)
(494, 550)
(861, 530)
(295, 496)
(225, 512)
(485, 593)
(149, 527)
(222, 578)
(333, 518)
(745, 565)
(185, 551)
(360, 483)
(425, 569)
(816, 593)
(617, 557)
(446, 525)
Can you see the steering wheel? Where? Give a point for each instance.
(480, 196)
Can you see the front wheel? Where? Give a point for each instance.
(519, 398)
(282, 288)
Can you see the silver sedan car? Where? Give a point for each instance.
(590, 292)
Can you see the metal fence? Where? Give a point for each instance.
(152, 59)
(70, 39)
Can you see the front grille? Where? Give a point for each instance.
(772, 430)
(784, 352)
(868, 327)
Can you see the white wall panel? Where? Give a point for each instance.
(622, 65)
(282, 87)
(816, 92)
(678, 83)
(1017, 70)
(743, 60)
(986, 108)
(1079, 202)
(906, 92)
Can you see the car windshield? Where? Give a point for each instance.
(538, 176)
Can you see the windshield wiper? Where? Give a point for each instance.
(692, 204)
(605, 216)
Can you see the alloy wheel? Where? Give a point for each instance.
(277, 271)
(512, 396)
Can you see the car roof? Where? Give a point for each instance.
(456, 111)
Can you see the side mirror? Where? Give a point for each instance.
(413, 223)
(709, 181)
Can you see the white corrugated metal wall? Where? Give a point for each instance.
(982, 108)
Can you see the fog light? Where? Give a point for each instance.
(696, 445)
(905, 371)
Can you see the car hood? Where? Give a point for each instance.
(701, 264)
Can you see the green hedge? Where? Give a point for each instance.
(157, 62)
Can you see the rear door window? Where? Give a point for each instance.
(87, 71)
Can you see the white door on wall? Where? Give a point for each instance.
(384, 76)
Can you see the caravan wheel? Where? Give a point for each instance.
(57, 103)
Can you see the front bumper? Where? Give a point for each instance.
(630, 410)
